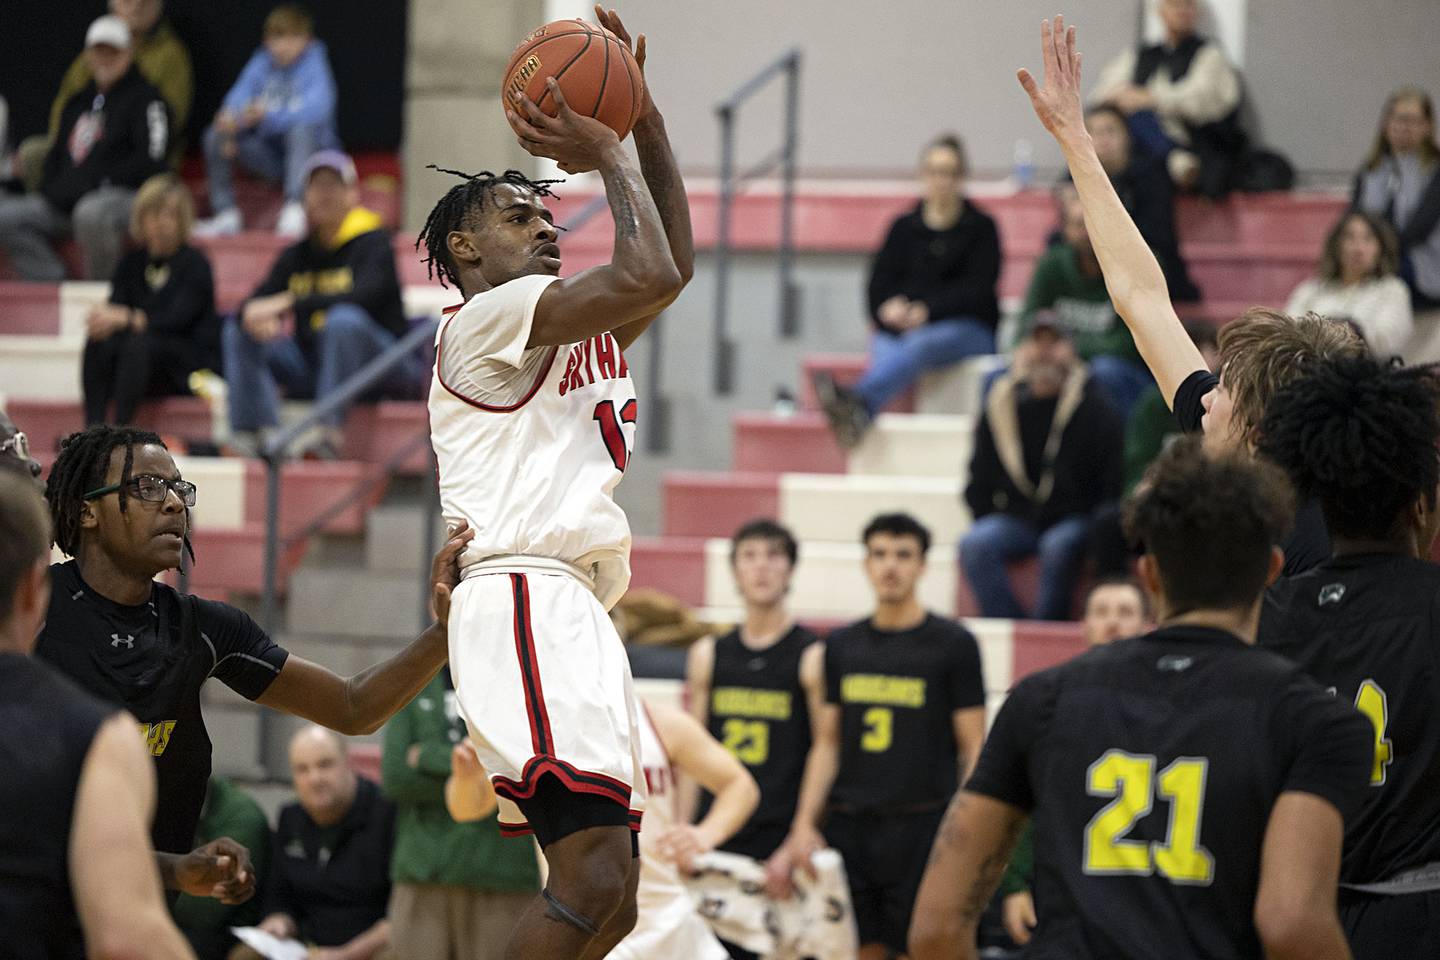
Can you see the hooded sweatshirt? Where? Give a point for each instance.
(303, 92)
(357, 266)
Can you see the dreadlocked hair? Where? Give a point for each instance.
(83, 462)
(453, 209)
(1360, 435)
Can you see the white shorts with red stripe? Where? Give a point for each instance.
(543, 682)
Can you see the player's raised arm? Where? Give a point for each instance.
(1132, 274)
(641, 278)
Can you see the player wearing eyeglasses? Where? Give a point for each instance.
(121, 510)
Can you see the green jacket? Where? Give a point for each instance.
(162, 60)
(1020, 874)
(1081, 303)
(430, 847)
(1151, 427)
(228, 812)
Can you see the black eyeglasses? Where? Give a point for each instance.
(18, 444)
(151, 489)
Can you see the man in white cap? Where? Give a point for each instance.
(113, 136)
(330, 304)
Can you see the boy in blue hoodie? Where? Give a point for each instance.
(279, 112)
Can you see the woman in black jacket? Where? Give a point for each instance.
(159, 326)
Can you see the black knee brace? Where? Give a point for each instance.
(558, 911)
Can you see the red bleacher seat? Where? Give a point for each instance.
(672, 565)
(765, 443)
(700, 504)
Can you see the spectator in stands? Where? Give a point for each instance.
(330, 875)
(15, 450)
(159, 325)
(280, 111)
(1151, 426)
(931, 294)
(1181, 98)
(205, 921)
(1144, 187)
(1114, 609)
(458, 887)
(113, 136)
(1358, 284)
(337, 292)
(161, 58)
(1400, 182)
(1047, 454)
(1067, 284)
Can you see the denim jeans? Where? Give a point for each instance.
(271, 157)
(1124, 381)
(254, 371)
(898, 359)
(998, 538)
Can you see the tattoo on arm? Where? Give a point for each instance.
(991, 867)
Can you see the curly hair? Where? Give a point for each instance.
(1209, 522)
(456, 207)
(1359, 435)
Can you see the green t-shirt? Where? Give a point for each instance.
(206, 922)
(1081, 303)
(1151, 427)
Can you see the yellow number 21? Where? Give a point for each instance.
(1132, 781)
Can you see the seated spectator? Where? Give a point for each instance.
(1358, 284)
(161, 58)
(1400, 183)
(458, 887)
(1144, 187)
(1068, 286)
(1047, 454)
(280, 111)
(1114, 609)
(1152, 425)
(932, 294)
(336, 291)
(159, 326)
(1181, 98)
(205, 921)
(113, 136)
(330, 870)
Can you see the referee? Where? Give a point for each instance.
(121, 510)
(77, 876)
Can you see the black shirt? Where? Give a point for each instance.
(1150, 767)
(953, 271)
(152, 659)
(1309, 540)
(759, 712)
(49, 726)
(334, 881)
(897, 692)
(1368, 626)
(177, 294)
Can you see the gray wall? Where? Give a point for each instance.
(879, 79)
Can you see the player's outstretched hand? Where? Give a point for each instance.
(1057, 101)
(610, 20)
(445, 571)
(577, 143)
(220, 869)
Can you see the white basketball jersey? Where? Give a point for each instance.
(531, 442)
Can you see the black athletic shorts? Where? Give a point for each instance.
(555, 812)
(885, 857)
(1405, 927)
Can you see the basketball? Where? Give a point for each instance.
(597, 74)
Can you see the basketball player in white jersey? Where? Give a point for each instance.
(671, 742)
(532, 416)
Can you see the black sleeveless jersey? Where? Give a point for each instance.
(49, 725)
(897, 692)
(1150, 767)
(152, 659)
(758, 710)
(1369, 628)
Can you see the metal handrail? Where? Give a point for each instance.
(787, 63)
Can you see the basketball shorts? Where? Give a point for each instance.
(1394, 927)
(543, 683)
(885, 857)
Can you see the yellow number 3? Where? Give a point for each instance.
(1370, 700)
(1131, 780)
(879, 730)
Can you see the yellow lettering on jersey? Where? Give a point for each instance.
(325, 283)
(1131, 780)
(157, 736)
(880, 689)
(748, 740)
(748, 702)
(1370, 700)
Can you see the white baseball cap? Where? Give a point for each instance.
(109, 31)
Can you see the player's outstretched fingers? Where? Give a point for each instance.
(562, 109)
